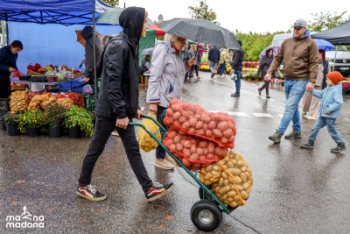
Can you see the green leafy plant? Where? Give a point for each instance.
(32, 119)
(77, 116)
(12, 119)
(251, 76)
(55, 114)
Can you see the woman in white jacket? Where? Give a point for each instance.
(166, 82)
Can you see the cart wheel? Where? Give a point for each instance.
(206, 215)
(200, 193)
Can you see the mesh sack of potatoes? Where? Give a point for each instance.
(19, 102)
(195, 121)
(36, 101)
(65, 102)
(193, 152)
(52, 100)
(231, 179)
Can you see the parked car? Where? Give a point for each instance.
(342, 63)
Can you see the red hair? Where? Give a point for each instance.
(323, 53)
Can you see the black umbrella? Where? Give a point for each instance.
(202, 31)
(147, 51)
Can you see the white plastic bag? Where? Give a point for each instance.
(87, 90)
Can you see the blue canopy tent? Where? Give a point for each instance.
(64, 12)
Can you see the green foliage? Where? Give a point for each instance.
(79, 116)
(32, 119)
(203, 12)
(324, 21)
(113, 3)
(252, 76)
(54, 114)
(12, 119)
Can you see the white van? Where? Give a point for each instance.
(342, 62)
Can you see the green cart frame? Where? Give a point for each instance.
(206, 214)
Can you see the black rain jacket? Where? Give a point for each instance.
(265, 64)
(119, 90)
(237, 59)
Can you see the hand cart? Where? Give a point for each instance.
(206, 214)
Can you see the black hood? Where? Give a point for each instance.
(240, 43)
(132, 20)
(87, 32)
(267, 52)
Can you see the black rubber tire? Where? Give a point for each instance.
(209, 208)
(200, 193)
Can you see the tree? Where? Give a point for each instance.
(203, 12)
(113, 3)
(322, 22)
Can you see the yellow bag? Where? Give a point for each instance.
(146, 142)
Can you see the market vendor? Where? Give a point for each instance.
(89, 51)
(8, 59)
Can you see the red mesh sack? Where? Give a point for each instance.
(194, 120)
(77, 99)
(193, 152)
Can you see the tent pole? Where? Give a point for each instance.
(94, 42)
(335, 56)
(7, 30)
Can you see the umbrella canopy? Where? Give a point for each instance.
(111, 16)
(339, 35)
(324, 45)
(202, 31)
(159, 31)
(147, 51)
(274, 48)
(82, 40)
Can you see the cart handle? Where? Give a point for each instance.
(161, 128)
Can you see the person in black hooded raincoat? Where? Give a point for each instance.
(263, 68)
(89, 52)
(118, 103)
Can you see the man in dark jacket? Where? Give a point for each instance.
(118, 103)
(8, 59)
(89, 51)
(237, 66)
(214, 57)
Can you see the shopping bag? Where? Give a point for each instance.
(146, 142)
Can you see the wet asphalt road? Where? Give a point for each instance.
(295, 191)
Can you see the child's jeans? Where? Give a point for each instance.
(320, 123)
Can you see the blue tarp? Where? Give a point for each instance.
(52, 11)
(52, 43)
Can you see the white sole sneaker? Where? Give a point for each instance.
(162, 194)
(114, 134)
(167, 168)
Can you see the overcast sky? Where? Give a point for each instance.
(245, 15)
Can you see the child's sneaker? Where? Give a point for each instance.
(90, 193)
(158, 190)
(340, 147)
(308, 145)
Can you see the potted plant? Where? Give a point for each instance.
(12, 125)
(55, 118)
(78, 120)
(32, 120)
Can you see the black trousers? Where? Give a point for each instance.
(265, 86)
(160, 152)
(5, 88)
(195, 68)
(103, 129)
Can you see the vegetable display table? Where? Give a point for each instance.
(47, 83)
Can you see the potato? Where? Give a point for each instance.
(244, 169)
(205, 151)
(186, 152)
(208, 133)
(194, 157)
(185, 126)
(169, 112)
(198, 117)
(199, 125)
(205, 118)
(212, 125)
(175, 108)
(187, 144)
(203, 144)
(217, 133)
(173, 146)
(176, 116)
(167, 122)
(244, 195)
(192, 131)
(223, 126)
(200, 132)
(185, 114)
(186, 162)
(205, 127)
(199, 151)
(221, 182)
(224, 175)
(177, 139)
(228, 133)
(240, 163)
(193, 122)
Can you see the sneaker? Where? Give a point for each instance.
(90, 193)
(115, 133)
(340, 147)
(293, 135)
(164, 164)
(234, 95)
(212, 75)
(158, 190)
(308, 145)
(169, 158)
(268, 96)
(276, 137)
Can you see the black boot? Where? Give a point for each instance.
(340, 147)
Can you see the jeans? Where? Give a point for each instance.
(212, 66)
(332, 130)
(238, 81)
(294, 90)
(222, 68)
(160, 152)
(199, 60)
(103, 129)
